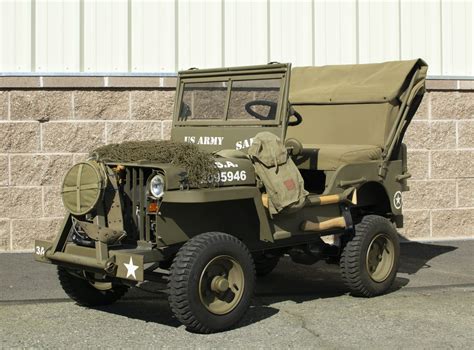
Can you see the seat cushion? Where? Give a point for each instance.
(330, 157)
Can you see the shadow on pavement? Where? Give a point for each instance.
(157, 310)
(288, 282)
(154, 310)
(415, 256)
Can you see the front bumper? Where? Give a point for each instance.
(123, 263)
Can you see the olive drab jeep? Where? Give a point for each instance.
(306, 162)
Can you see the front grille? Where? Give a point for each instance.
(133, 191)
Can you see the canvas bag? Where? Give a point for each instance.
(280, 176)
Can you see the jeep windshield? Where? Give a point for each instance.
(225, 108)
(231, 101)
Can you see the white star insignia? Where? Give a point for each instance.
(397, 200)
(131, 268)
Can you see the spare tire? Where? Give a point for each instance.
(83, 187)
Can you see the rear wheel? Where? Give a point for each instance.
(211, 282)
(369, 261)
(87, 291)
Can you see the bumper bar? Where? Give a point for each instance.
(125, 264)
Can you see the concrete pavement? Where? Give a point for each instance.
(431, 306)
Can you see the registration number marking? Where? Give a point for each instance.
(228, 176)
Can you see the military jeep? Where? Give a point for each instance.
(333, 138)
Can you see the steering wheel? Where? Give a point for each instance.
(299, 118)
(271, 113)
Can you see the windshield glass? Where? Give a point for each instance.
(245, 100)
(254, 99)
(203, 101)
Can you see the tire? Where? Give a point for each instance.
(369, 262)
(84, 293)
(197, 297)
(264, 265)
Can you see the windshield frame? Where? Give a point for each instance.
(228, 77)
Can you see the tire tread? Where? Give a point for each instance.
(351, 269)
(86, 295)
(181, 270)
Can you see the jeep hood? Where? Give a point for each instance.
(229, 170)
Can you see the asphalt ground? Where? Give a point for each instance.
(431, 306)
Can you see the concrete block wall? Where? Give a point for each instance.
(49, 123)
(440, 140)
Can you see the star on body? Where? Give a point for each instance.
(131, 268)
(397, 200)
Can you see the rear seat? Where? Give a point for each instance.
(331, 156)
(349, 111)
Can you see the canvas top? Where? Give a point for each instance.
(355, 83)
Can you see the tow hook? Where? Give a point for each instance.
(110, 267)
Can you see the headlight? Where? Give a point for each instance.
(157, 186)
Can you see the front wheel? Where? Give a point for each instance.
(211, 282)
(369, 261)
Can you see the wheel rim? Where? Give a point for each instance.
(221, 285)
(380, 257)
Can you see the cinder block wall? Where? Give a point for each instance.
(440, 203)
(49, 123)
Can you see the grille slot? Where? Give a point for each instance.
(135, 203)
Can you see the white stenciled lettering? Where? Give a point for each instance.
(205, 140)
(243, 144)
(227, 164)
(216, 140)
(39, 251)
(229, 176)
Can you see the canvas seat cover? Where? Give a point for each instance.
(330, 157)
(349, 110)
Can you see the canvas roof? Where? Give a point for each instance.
(358, 83)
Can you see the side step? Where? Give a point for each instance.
(317, 200)
(324, 200)
(338, 222)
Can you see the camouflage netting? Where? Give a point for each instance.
(198, 164)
